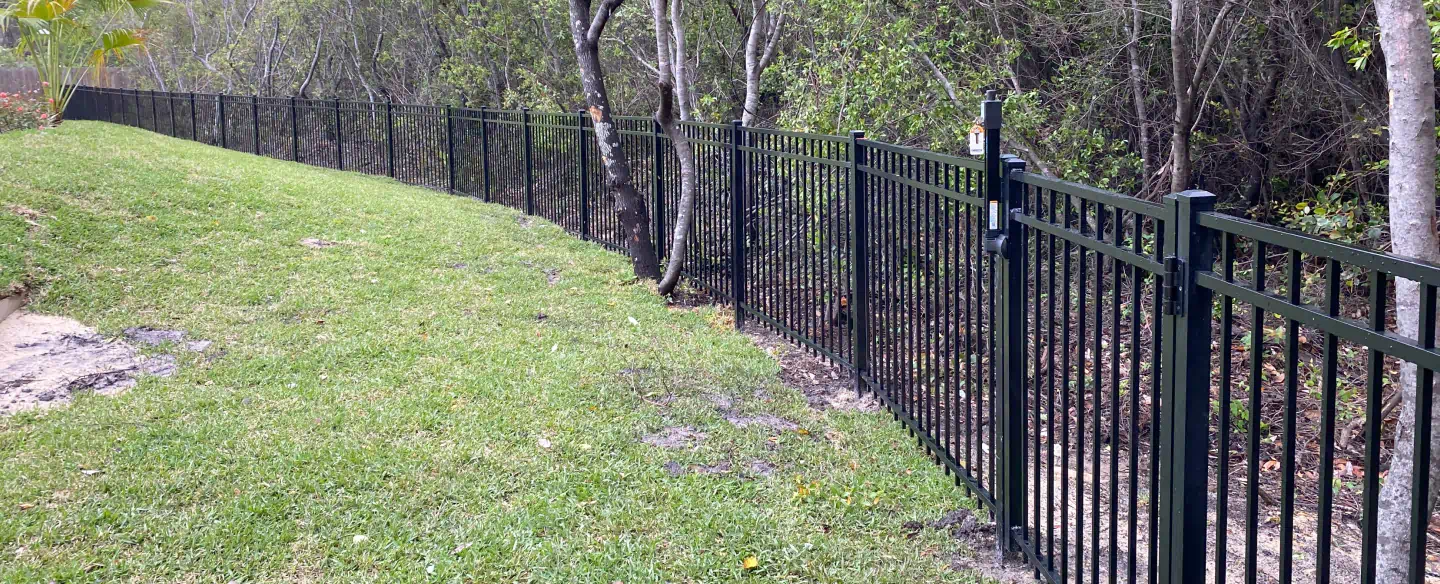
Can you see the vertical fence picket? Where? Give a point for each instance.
(583, 164)
(255, 121)
(339, 140)
(657, 187)
(449, 149)
(484, 156)
(859, 317)
(220, 117)
(529, 162)
(294, 131)
(390, 136)
(194, 129)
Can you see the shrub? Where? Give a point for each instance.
(20, 111)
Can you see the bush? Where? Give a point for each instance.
(20, 111)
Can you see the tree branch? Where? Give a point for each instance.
(602, 17)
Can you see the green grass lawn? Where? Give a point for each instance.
(377, 408)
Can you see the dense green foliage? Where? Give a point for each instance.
(1289, 96)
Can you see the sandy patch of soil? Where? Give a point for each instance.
(45, 360)
(824, 384)
(674, 437)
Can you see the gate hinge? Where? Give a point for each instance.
(1172, 290)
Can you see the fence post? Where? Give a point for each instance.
(255, 120)
(859, 317)
(449, 147)
(194, 131)
(1013, 293)
(170, 103)
(390, 135)
(220, 115)
(584, 163)
(154, 112)
(484, 156)
(657, 185)
(294, 131)
(1185, 382)
(339, 142)
(1005, 237)
(737, 221)
(529, 163)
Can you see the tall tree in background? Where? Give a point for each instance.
(1410, 75)
(760, 44)
(670, 80)
(586, 29)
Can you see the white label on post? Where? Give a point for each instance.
(977, 140)
(994, 215)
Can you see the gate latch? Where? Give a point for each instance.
(1172, 292)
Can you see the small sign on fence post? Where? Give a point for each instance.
(977, 139)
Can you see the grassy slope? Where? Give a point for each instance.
(372, 389)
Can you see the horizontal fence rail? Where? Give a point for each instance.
(1137, 392)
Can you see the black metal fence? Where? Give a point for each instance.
(1072, 355)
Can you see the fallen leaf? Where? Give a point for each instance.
(750, 563)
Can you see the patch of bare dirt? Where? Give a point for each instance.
(761, 468)
(315, 243)
(45, 360)
(979, 554)
(675, 437)
(825, 385)
(156, 337)
(770, 421)
(30, 216)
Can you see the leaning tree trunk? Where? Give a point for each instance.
(1409, 72)
(665, 81)
(634, 218)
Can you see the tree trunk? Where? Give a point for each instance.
(1184, 97)
(759, 52)
(1137, 87)
(685, 93)
(634, 218)
(666, 78)
(1253, 130)
(1409, 72)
